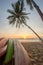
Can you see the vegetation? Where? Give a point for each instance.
(33, 4)
(10, 52)
(18, 16)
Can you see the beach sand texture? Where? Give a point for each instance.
(35, 52)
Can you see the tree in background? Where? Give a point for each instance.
(32, 3)
(18, 16)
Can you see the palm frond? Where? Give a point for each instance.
(23, 13)
(11, 11)
(19, 25)
(12, 21)
(29, 2)
(26, 17)
(13, 5)
(17, 14)
(22, 6)
(10, 17)
(17, 6)
(17, 22)
(23, 20)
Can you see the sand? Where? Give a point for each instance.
(35, 52)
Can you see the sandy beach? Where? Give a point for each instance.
(35, 52)
(33, 49)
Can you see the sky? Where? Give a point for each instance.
(34, 21)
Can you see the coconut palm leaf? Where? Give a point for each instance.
(11, 11)
(17, 23)
(29, 2)
(19, 17)
(10, 17)
(17, 7)
(13, 21)
(33, 3)
(22, 5)
(13, 6)
(26, 17)
(23, 13)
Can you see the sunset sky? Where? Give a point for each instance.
(34, 21)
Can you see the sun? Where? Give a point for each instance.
(24, 37)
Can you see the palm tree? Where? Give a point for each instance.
(32, 3)
(18, 16)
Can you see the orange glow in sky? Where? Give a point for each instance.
(35, 22)
(19, 36)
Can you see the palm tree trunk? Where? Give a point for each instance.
(38, 9)
(33, 31)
